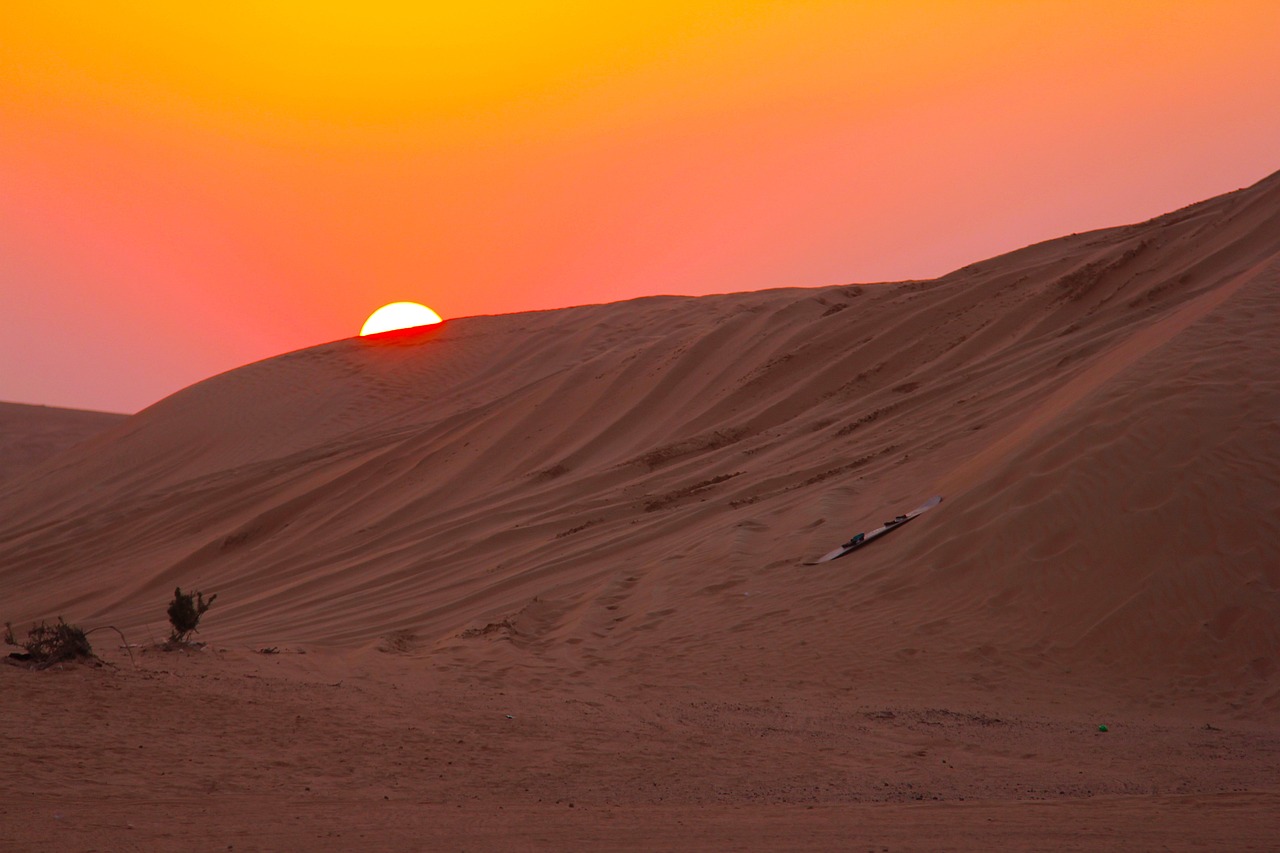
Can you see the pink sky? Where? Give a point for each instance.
(184, 193)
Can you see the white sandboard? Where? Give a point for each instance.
(863, 538)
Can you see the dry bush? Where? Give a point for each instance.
(184, 613)
(47, 644)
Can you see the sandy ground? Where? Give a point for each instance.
(263, 752)
(539, 581)
(213, 750)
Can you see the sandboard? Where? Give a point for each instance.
(863, 538)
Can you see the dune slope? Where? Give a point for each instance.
(629, 491)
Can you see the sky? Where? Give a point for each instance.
(190, 187)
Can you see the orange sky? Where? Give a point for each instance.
(188, 187)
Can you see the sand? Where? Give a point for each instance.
(31, 434)
(537, 581)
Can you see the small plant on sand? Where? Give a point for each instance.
(47, 644)
(184, 614)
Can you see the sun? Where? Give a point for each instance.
(399, 315)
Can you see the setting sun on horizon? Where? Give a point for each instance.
(399, 315)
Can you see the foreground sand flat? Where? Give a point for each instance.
(595, 521)
(265, 753)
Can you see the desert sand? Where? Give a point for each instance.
(538, 581)
(31, 434)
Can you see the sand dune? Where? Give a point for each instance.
(31, 434)
(1100, 412)
(617, 501)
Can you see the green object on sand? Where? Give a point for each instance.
(1102, 728)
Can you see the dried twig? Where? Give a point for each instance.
(132, 660)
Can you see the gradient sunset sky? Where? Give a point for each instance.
(188, 187)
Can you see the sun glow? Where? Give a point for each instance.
(399, 315)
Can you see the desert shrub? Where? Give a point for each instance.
(47, 644)
(185, 611)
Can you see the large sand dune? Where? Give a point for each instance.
(613, 504)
